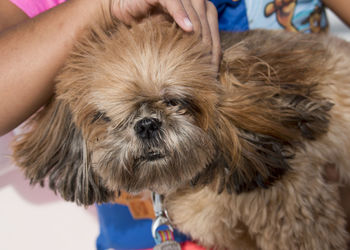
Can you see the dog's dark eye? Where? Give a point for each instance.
(186, 105)
(172, 102)
(100, 116)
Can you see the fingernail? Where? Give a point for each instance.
(188, 23)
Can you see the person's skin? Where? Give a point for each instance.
(341, 8)
(33, 51)
(10, 15)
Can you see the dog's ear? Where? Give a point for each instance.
(258, 130)
(54, 148)
(263, 160)
(244, 160)
(267, 108)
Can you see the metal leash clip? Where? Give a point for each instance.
(163, 238)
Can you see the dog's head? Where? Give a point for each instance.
(133, 110)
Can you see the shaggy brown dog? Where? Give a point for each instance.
(239, 159)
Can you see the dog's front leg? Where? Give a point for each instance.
(211, 219)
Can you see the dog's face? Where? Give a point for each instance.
(139, 104)
(153, 137)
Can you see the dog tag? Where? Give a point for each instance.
(168, 245)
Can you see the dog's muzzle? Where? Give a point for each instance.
(148, 128)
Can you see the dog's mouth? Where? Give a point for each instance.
(152, 156)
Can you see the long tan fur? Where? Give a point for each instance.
(239, 155)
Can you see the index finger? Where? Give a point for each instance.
(178, 12)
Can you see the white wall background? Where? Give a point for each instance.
(33, 218)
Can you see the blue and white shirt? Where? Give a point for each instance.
(302, 15)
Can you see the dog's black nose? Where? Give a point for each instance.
(147, 128)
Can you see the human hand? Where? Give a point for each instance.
(191, 15)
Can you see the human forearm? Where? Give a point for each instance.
(32, 53)
(341, 8)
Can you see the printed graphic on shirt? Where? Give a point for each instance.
(292, 15)
(284, 11)
(140, 205)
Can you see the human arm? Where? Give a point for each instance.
(31, 54)
(10, 15)
(33, 51)
(341, 8)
